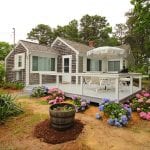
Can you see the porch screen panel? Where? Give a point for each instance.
(113, 65)
(43, 64)
(88, 64)
(94, 65)
(52, 64)
(117, 65)
(35, 63)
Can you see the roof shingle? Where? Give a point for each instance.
(32, 47)
(82, 48)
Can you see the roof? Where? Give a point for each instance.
(82, 48)
(32, 47)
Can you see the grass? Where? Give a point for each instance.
(42, 102)
(146, 84)
(26, 123)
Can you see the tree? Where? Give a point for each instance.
(94, 28)
(139, 30)
(41, 33)
(4, 50)
(69, 31)
(120, 32)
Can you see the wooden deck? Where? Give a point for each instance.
(89, 92)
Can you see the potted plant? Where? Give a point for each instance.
(62, 115)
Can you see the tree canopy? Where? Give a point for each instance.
(95, 28)
(4, 50)
(41, 33)
(138, 35)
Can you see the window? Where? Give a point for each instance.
(43, 63)
(66, 65)
(19, 61)
(19, 75)
(113, 65)
(94, 65)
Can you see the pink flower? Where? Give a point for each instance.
(146, 94)
(148, 116)
(138, 96)
(140, 100)
(51, 101)
(148, 101)
(138, 109)
(143, 115)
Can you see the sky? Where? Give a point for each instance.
(23, 15)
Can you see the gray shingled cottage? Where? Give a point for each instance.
(28, 60)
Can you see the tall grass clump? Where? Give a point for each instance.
(8, 107)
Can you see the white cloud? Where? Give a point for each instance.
(26, 14)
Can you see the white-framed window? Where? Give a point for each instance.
(94, 65)
(113, 65)
(19, 75)
(43, 63)
(19, 61)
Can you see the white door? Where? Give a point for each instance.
(67, 69)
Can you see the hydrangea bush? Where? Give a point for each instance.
(141, 104)
(80, 104)
(118, 114)
(55, 95)
(39, 91)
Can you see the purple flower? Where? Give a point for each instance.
(105, 100)
(98, 116)
(118, 124)
(101, 107)
(111, 121)
(124, 118)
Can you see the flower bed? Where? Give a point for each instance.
(52, 95)
(118, 114)
(55, 96)
(80, 104)
(141, 104)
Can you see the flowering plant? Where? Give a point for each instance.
(80, 104)
(55, 96)
(141, 104)
(119, 115)
(39, 91)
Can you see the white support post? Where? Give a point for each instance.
(131, 84)
(77, 67)
(27, 69)
(140, 82)
(40, 79)
(76, 80)
(81, 85)
(57, 80)
(117, 89)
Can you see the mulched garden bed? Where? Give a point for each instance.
(48, 134)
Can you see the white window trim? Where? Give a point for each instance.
(42, 72)
(70, 65)
(16, 59)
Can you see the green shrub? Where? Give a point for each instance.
(39, 91)
(12, 85)
(140, 69)
(8, 107)
(2, 72)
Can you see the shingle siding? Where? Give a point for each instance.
(63, 49)
(10, 74)
(80, 64)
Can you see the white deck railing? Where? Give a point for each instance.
(115, 76)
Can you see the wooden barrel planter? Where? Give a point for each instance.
(62, 119)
